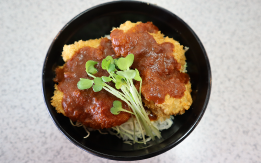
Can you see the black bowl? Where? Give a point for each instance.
(98, 21)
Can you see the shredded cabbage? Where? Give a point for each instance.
(128, 130)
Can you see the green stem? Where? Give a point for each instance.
(143, 112)
(91, 75)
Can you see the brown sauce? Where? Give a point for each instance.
(155, 62)
(152, 117)
(86, 106)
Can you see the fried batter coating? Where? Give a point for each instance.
(90, 108)
(68, 52)
(57, 100)
(171, 105)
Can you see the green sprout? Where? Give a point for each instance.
(121, 74)
(90, 67)
(117, 107)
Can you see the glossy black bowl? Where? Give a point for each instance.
(98, 21)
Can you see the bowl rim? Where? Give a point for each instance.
(140, 157)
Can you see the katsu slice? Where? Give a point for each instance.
(161, 63)
(90, 108)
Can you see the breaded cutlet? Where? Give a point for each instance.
(171, 106)
(68, 52)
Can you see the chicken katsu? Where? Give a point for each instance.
(160, 61)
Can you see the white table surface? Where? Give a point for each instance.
(230, 130)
